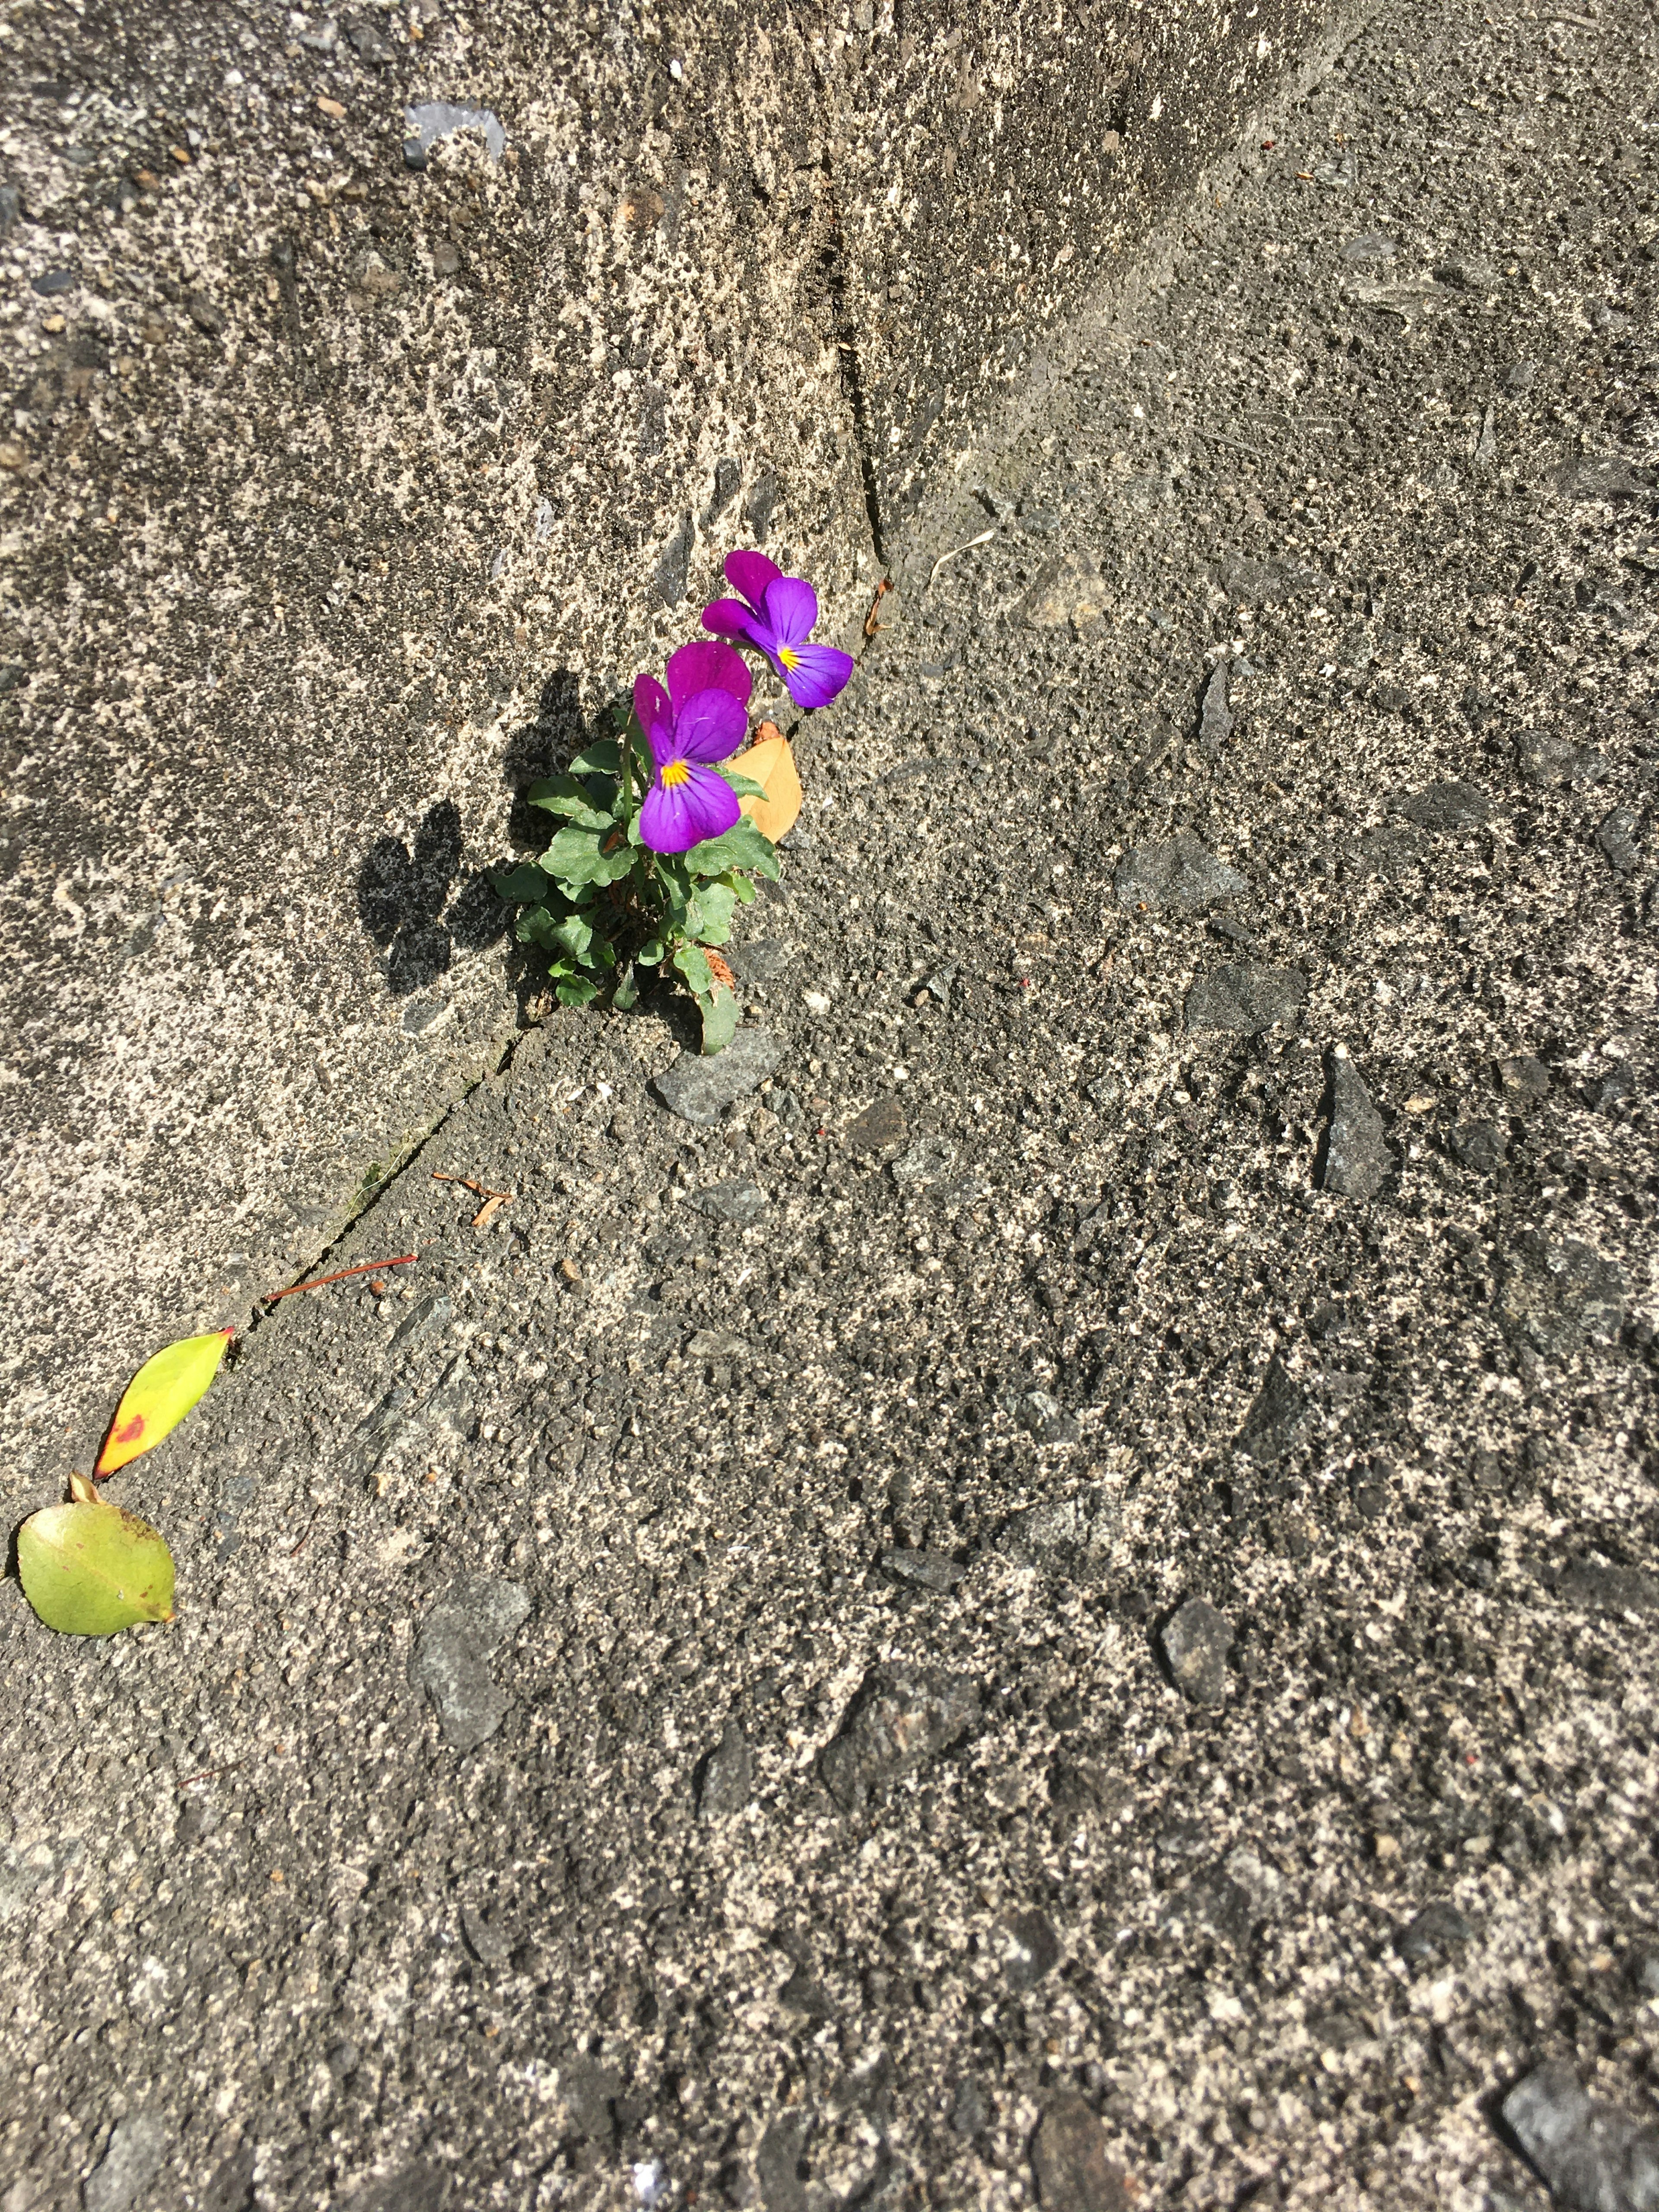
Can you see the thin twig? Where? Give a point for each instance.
(208, 1773)
(470, 1183)
(871, 625)
(368, 1268)
(305, 1539)
(492, 1199)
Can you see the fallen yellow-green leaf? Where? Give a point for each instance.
(90, 1568)
(159, 1396)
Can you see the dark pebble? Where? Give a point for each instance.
(452, 1655)
(1603, 1093)
(929, 1160)
(901, 1717)
(1524, 1081)
(1446, 807)
(1045, 1419)
(1030, 1950)
(780, 2164)
(52, 281)
(737, 1201)
(133, 2159)
(1355, 1158)
(1556, 1296)
(699, 1089)
(1616, 835)
(970, 2111)
(881, 1123)
(761, 962)
(1251, 583)
(1597, 1588)
(1246, 998)
(726, 1783)
(1215, 719)
(1196, 1640)
(1181, 871)
(1069, 2158)
(1480, 1146)
(1544, 757)
(932, 1571)
(1276, 1417)
(1432, 1937)
(802, 1994)
(1591, 2157)
(1069, 1536)
(489, 1943)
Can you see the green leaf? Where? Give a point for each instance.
(158, 1396)
(575, 858)
(521, 886)
(602, 758)
(91, 1568)
(742, 846)
(745, 785)
(710, 916)
(627, 991)
(694, 967)
(563, 794)
(745, 888)
(718, 1008)
(651, 952)
(576, 992)
(570, 935)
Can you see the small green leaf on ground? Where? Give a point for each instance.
(159, 1396)
(91, 1568)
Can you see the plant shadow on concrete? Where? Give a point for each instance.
(409, 903)
(418, 904)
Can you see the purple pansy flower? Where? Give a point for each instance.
(777, 613)
(702, 717)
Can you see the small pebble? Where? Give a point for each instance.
(1196, 1640)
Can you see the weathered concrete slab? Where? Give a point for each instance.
(378, 403)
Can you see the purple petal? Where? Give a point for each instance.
(731, 618)
(820, 673)
(704, 806)
(650, 703)
(707, 666)
(660, 735)
(791, 608)
(750, 573)
(711, 725)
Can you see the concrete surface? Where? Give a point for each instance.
(339, 495)
(1102, 1649)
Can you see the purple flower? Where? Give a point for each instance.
(777, 613)
(702, 718)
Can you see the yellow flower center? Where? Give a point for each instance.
(788, 656)
(675, 774)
